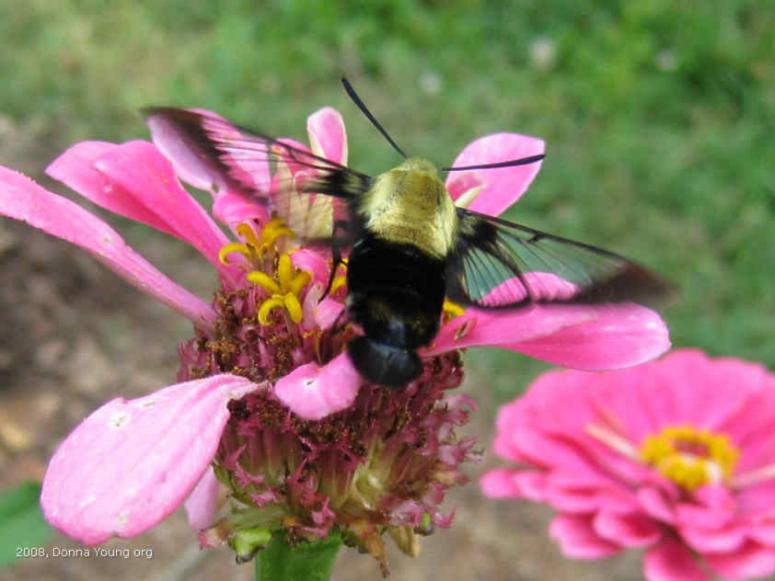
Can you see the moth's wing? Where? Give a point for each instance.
(271, 171)
(498, 264)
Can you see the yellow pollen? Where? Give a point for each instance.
(255, 246)
(689, 456)
(452, 310)
(284, 289)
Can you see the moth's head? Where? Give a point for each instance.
(420, 182)
(419, 166)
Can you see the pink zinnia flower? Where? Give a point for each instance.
(268, 403)
(676, 457)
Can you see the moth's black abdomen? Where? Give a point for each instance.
(396, 293)
(384, 364)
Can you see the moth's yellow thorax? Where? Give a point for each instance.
(410, 204)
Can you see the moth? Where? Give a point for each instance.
(408, 246)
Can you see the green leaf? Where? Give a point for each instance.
(303, 562)
(21, 523)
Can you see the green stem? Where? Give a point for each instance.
(304, 562)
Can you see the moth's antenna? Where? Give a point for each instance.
(509, 163)
(362, 106)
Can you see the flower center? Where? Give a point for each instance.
(255, 247)
(284, 289)
(285, 283)
(690, 457)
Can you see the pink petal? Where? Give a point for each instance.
(628, 530)
(763, 533)
(141, 170)
(714, 541)
(751, 561)
(327, 135)
(312, 262)
(75, 168)
(202, 504)
(131, 463)
(501, 187)
(234, 208)
(504, 328)
(578, 539)
(618, 336)
(654, 503)
(672, 561)
(572, 501)
(326, 312)
(313, 392)
(500, 483)
(532, 485)
(23, 199)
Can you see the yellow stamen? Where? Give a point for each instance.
(286, 284)
(689, 456)
(284, 289)
(293, 306)
(231, 248)
(267, 306)
(289, 302)
(299, 282)
(264, 281)
(255, 246)
(249, 235)
(285, 271)
(275, 230)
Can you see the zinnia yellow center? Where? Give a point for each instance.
(254, 246)
(689, 456)
(285, 283)
(284, 289)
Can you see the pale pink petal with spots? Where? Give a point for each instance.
(131, 463)
(23, 199)
(314, 392)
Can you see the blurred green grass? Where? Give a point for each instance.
(658, 115)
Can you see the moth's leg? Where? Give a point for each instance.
(339, 323)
